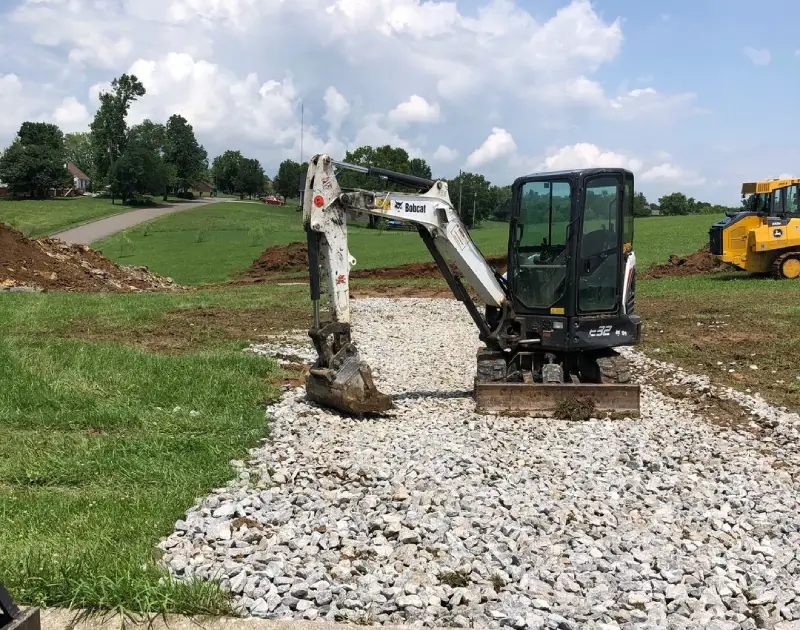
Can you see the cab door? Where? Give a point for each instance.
(600, 251)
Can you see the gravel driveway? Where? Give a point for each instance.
(438, 516)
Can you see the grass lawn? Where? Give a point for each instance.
(40, 217)
(116, 411)
(721, 322)
(218, 241)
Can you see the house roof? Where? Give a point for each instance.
(72, 168)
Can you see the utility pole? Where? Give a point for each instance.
(474, 198)
(302, 121)
(460, 192)
(302, 183)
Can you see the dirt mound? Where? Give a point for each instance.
(294, 257)
(700, 262)
(50, 264)
(291, 257)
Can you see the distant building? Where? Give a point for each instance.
(80, 180)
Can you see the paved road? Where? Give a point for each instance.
(90, 232)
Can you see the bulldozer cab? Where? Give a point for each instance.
(570, 235)
(771, 197)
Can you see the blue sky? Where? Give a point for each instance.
(685, 96)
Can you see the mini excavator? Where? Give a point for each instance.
(549, 325)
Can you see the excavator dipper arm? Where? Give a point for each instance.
(339, 378)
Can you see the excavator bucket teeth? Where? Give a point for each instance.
(348, 388)
(548, 400)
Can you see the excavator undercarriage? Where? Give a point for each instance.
(548, 326)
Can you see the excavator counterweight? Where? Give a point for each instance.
(549, 325)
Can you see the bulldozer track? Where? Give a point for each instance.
(778, 266)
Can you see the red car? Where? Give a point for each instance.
(273, 200)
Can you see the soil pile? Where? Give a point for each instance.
(279, 258)
(50, 264)
(294, 258)
(700, 262)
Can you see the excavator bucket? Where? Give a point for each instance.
(339, 378)
(349, 389)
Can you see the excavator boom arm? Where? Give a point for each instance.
(338, 378)
(325, 210)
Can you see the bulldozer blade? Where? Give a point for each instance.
(542, 400)
(349, 388)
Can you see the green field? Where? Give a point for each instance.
(116, 412)
(215, 242)
(40, 217)
(720, 322)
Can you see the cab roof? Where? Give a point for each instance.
(574, 173)
(767, 185)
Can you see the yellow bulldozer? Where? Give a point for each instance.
(764, 237)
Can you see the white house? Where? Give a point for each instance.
(80, 181)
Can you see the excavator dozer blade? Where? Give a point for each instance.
(548, 400)
(348, 388)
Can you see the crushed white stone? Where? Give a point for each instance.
(434, 515)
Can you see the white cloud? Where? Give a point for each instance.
(374, 73)
(499, 144)
(586, 155)
(673, 174)
(71, 115)
(374, 133)
(336, 108)
(759, 56)
(415, 109)
(445, 154)
(216, 101)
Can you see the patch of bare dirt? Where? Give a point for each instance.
(294, 258)
(189, 329)
(698, 263)
(278, 258)
(50, 264)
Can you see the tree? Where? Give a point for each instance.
(420, 168)
(224, 169)
(109, 129)
(640, 206)
(150, 135)
(181, 149)
(249, 178)
(675, 204)
(138, 171)
(474, 192)
(234, 173)
(36, 160)
(291, 176)
(78, 147)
